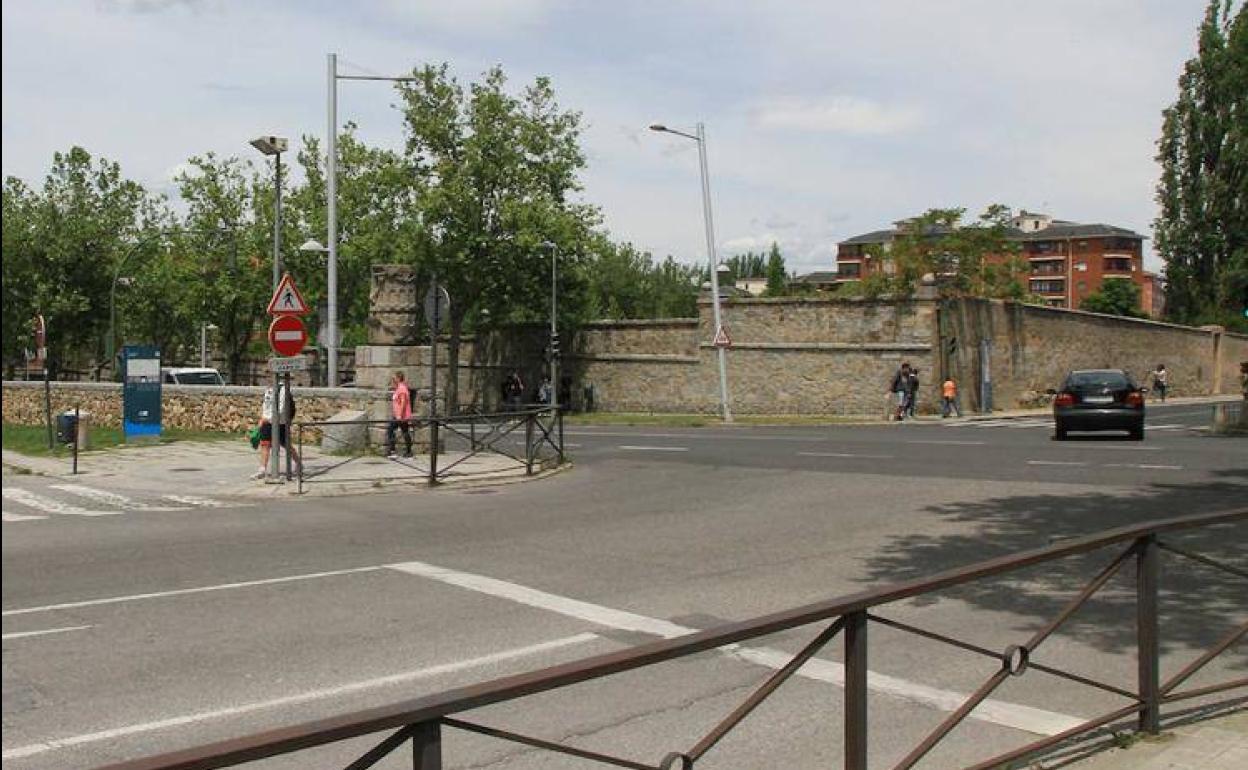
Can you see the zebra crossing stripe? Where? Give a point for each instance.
(40, 503)
(204, 502)
(19, 516)
(112, 498)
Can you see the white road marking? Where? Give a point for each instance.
(111, 498)
(1162, 467)
(950, 443)
(1170, 426)
(49, 505)
(1116, 447)
(184, 591)
(845, 454)
(328, 692)
(642, 448)
(19, 516)
(708, 436)
(1054, 462)
(205, 502)
(998, 712)
(23, 634)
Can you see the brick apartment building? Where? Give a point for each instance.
(1067, 261)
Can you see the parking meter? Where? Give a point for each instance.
(140, 391)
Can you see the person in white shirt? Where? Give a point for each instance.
(266, 430)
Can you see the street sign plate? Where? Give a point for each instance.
(287, 335)
(287, 300)
(437, 305)
(281, 365)
(722, 340)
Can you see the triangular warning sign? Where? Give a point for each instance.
(287, 300)
(722, 340)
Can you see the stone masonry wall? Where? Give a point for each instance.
(227, 409)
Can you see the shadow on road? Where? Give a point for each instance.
(1199, 604)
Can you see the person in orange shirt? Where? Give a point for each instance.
(400, 415)
(949, 398)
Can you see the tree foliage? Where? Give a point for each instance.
(777, 277)
(1202, 229)
(625, 283)
(1116, 297)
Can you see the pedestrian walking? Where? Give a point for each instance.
(912, 391)
(400, 415)
(287, 400)
(898, 387)
(513, 390)
(1161, 381)
(544, 391)
(949, 398)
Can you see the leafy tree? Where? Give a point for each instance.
(1202, 229)
(625, 283)
(20, 266)
(964, 260)
(777, 279)
(494, 173)
(741, 266)
(1116, 297)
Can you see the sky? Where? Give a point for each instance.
(824, 119)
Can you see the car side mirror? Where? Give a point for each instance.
(1051, 392)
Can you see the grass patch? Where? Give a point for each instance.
(33, 439)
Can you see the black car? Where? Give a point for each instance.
(1098, 399)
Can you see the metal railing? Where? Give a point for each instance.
(531, 437)
(420, 721)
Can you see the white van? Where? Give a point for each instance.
(191, 375)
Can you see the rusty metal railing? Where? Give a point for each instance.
(419, 722)
(529, 437)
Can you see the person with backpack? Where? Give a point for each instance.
(898, 388)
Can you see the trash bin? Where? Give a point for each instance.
(66, 427)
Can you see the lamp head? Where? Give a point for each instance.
(270, 145)
(657, 127)
(312, 244)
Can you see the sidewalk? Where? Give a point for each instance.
(224, 468)
(1216, 743)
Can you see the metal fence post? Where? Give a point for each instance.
(856, 691)
(559, 417)
(427, 746)
(1148, 562)
(77, 433)
(433, 451)
(528, 442)
(301, 456)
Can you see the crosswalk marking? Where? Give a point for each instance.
(50, 505)
(203, 502)
(112, 498)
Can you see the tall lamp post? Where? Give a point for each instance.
(330, 324)
(275, 146)
(554, 329)
(700, 138)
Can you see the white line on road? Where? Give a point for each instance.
(328, 692)
(707, 436)
(184, 591)
(205, 502)
(642, 448)
(845, 454)
(1170, 426)
(1099, 447)
(950, 443)
(23, 634)
(998, 712)
(1162, 467)
(19, 516)
(40, 503)
(1054, 462)
(111, 498)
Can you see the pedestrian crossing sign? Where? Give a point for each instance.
(722, 340)
(287, 300)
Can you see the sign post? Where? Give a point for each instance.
(287, 336)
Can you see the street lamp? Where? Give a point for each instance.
(275, 146)
(554, 330)
(700, 138)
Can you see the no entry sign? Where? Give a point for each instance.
(287, 335)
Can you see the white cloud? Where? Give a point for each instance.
(838, 115)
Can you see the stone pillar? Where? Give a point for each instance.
(393, 317)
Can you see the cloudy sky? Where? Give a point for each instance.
(825, 119)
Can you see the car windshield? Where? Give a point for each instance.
(198, 378)
(1099, 380)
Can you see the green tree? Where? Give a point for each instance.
(20, 268)
(1202, 229)
(625, 283)
(1116, 297)
(741, 266)
(777, 278)
(977, 260)
(494, 173)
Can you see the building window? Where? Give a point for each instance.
(1048, 287)
(853, 270)
(1081, 267)
(1117, 265)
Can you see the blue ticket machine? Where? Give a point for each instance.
(140, 392)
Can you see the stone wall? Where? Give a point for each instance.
(228, 408)
(1034, 347)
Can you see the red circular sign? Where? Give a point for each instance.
(287, 335)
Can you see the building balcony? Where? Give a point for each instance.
(1046, 257)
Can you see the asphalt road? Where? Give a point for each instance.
(142, 629)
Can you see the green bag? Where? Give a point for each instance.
(253, 436)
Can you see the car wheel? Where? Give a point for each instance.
(1059, 432)
(1137, 433)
